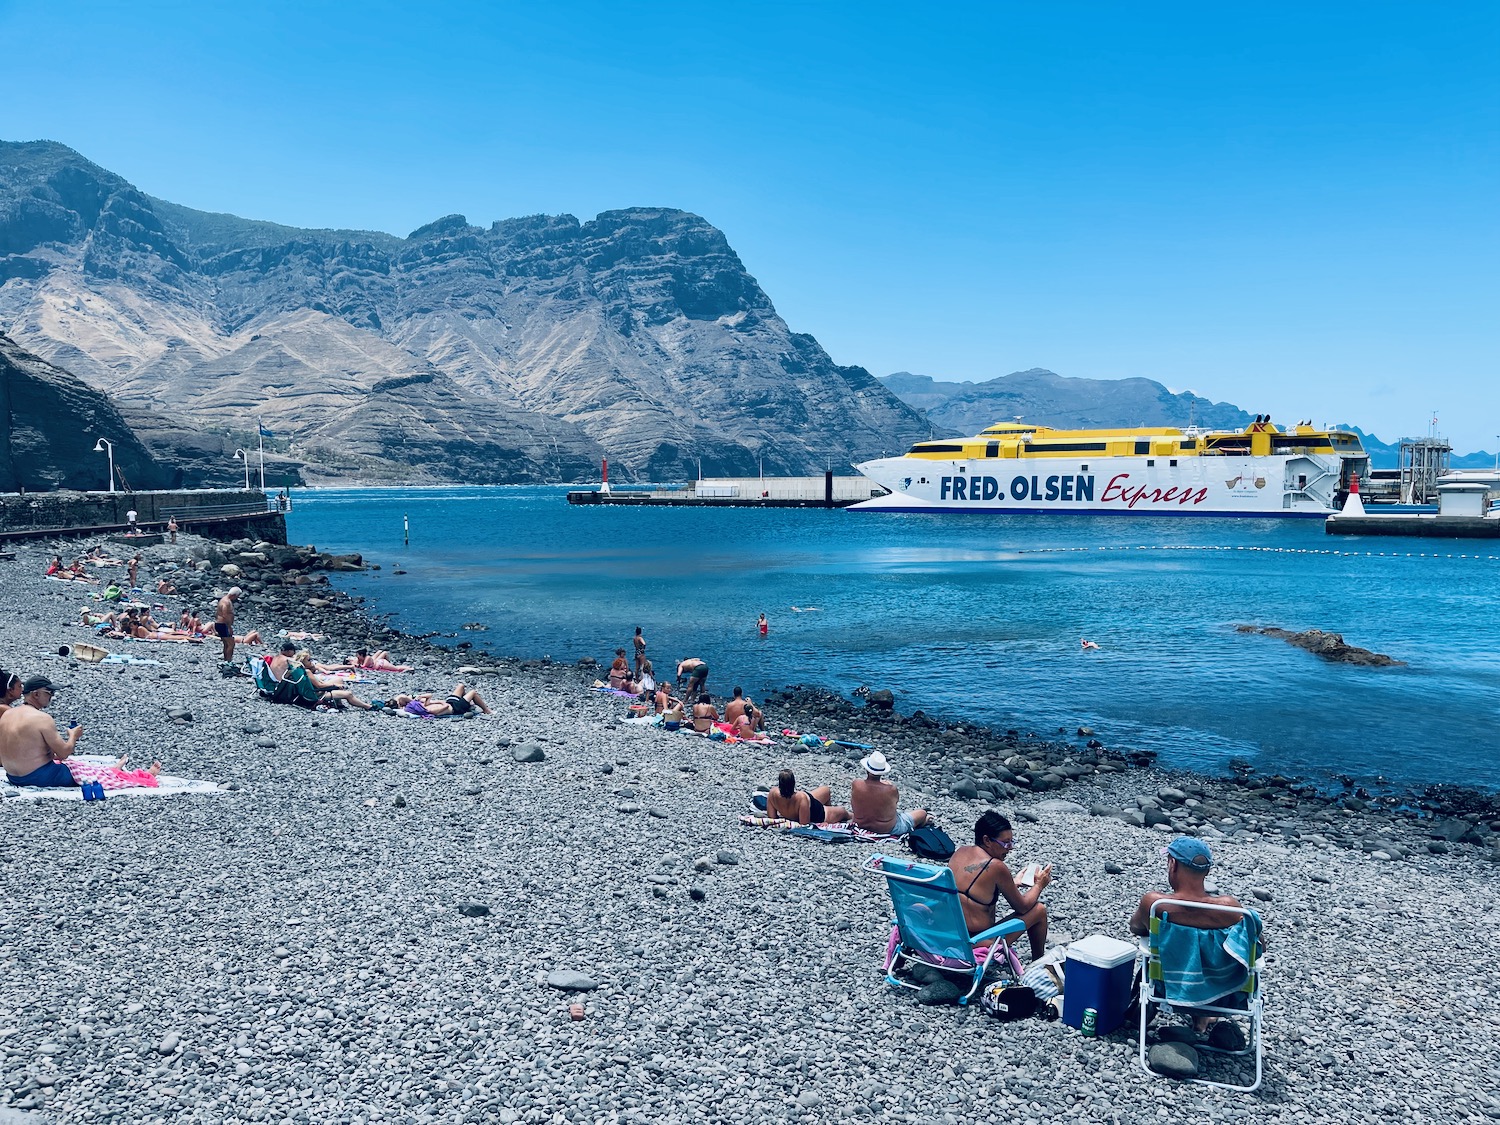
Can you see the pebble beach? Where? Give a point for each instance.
(379, 919)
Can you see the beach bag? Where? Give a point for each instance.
(1007, 1000)
(928, 842)
(1045, 977)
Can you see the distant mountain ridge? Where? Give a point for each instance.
(525, 350)
(1042, 396)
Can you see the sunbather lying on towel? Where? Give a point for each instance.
(460, 701)
(805, 806)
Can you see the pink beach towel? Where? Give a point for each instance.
(112, 777)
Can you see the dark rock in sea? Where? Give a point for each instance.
(881, 699)
(1330, 646)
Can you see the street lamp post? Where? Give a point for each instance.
(240, 455)
(105, 445)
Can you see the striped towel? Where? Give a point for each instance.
(1201, 966)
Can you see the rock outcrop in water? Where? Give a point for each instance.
(523, 350)
(1330, 646)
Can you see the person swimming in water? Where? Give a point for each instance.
(1089, 646)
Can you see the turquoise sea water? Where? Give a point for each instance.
(977, 616)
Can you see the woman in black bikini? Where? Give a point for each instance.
(804, 807)
(983, 877)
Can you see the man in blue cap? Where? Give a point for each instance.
(1188, 864)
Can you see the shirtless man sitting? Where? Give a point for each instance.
(873, 801)
(981, 871)
(31, 750)
(738, 706)
(1188, 863)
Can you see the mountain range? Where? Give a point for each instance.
(1042, 396)
(524, 350)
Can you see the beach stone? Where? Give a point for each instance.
(1059, 806)
(809, 1099)
(1319, 877)
(941, 991)
(1113, 869)
(1106, 810)
(659, 814)
(697, 894)
(400, 801)
(1173, 1060)
(1150, 818)
(606, 768)
(168, 1043)
(628, 807)
(571, 980)
(180, 713)
(528, 752)
(965, 790)
(252, 728)
(265, 743)
(880, 699)
(728, 859)
(1261, 893)
(473, 909)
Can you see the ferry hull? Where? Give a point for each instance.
(1260, 487)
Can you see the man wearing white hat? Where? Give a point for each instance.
(873, 801)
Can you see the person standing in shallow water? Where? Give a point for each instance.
(763, 625)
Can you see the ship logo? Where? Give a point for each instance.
(905, 483)
(1244, 480)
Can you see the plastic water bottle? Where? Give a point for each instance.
(1090, 1022)
(88, 790)
(99, 793)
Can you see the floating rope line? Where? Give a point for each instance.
(1262, 550)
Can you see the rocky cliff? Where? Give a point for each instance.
(523, 350)
(49, 424)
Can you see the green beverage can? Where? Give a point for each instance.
(1090, 1022)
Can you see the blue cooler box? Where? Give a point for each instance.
(1098, 974)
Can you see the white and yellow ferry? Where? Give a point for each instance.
(1262, 470)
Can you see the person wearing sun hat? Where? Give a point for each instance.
(1189, 861)
(31, 749)
(874, 801)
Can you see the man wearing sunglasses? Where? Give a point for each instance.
(983, 876)
(31, 749)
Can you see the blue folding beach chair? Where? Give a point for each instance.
(930, 927)
(1204, 972)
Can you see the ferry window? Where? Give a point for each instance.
(1173, 462)
(1150, 462)
(992, 449)
(1142, 447)
(1084, 468)
(1190, 443)
(1301, 481)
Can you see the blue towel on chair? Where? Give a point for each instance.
(1201, 966)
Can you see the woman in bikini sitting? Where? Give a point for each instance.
(805, 807)
(983, 877)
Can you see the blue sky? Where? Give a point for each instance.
(1289, 206)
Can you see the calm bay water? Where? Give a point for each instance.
(977, 616)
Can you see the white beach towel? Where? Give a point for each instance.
(166, 786)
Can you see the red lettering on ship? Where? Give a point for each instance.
(1120, 493)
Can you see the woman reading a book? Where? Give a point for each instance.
(981, 872)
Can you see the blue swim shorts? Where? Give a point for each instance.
(904, 824)
(54, 775)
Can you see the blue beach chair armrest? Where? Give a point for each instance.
(1009, 928)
